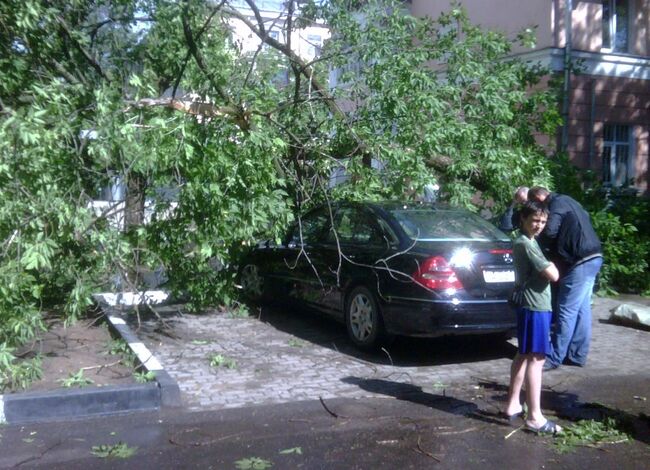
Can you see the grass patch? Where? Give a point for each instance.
(296, 343)
(76, 380)
(118, 347)
(119, 451)
(219, 360)
(253, 463)
(16, 375)
(590, 433)
(239, 310)
(144, 377)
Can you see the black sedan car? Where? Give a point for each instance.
(390, 268)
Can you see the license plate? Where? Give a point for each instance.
(499, 276)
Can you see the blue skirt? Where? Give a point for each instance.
(533, 331)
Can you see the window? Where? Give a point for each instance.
(315, 42)
(263, 5)
(273, 35)
(616, 155)
(445, 225)
(355, 227)
(312, 226)
(615, 25)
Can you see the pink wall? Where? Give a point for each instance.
(615, 101)
(511, 16)
(508, 16)
(587, 25)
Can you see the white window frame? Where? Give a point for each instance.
(314, 44)
(611, 47)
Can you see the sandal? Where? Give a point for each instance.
(513, 417)
(549, 427)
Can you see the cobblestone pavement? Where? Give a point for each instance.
(286, 355)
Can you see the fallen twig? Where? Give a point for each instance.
(514, 431)
(173, 440)
(388, 354)
(449, 433)
(322, 402)
(424, 452)
(101, 366)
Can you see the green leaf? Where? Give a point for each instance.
(118, 451)
(293, 450)
(253, 463)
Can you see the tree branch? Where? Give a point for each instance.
(197, 108)
(241, 116)
(198, 58)
(189, 52)
(91, 60)
(305, 70)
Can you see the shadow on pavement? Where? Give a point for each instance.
(564, 405)
(568, 406)
(625, 324)
(317, 328)
(415, 394)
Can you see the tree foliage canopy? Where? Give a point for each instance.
(159, 95)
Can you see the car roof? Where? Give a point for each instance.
(412, 205)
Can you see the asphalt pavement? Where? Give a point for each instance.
(418, 430)
(292, 392)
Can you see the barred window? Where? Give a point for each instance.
(616, 155)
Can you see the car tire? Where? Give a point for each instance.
(252, 283)
(363, 319)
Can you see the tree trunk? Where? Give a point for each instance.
(135, 188)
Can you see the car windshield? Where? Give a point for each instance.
(446, 225)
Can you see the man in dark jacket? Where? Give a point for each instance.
(509, 221)
(572, 244)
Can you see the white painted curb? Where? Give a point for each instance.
(111, 304)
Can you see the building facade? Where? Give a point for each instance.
(602, 48)
(305, 42)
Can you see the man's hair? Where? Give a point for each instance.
(532, 207)
(521, 195)
(537, 191)
(522, 189)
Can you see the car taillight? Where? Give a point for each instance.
(435, 273)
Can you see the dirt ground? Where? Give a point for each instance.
(65, 351)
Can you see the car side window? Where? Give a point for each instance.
(389, 236)
(312, 226)
(355, 227)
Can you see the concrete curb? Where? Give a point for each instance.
(30, 407)
(111, 304)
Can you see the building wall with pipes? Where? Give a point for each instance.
(608, 90)
(599, 102)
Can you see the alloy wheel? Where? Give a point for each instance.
(362, 317)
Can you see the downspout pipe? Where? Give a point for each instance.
(566, 89)
(592, 119)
